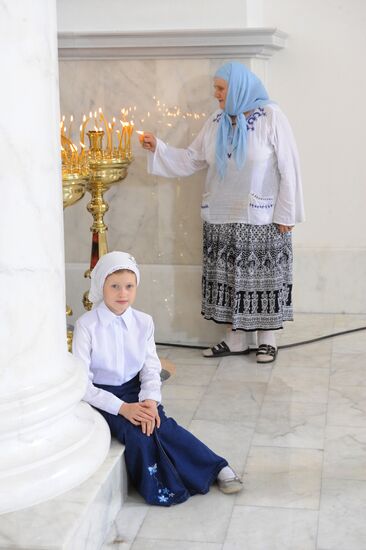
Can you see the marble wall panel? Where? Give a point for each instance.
(157, 219)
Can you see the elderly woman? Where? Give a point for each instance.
(251, 202)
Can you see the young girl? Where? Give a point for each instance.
(165, 462)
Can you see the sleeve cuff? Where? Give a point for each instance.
(156, 396)
(114, 405)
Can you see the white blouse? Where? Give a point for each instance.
(268, 187)
(115, 348)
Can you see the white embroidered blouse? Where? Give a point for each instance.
(268, 187)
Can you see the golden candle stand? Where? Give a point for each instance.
(94, 170)
(105, 167)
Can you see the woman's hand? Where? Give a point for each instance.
(148, 426)
(284, 228)
(148, 141)
(136, 413)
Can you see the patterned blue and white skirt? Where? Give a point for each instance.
(169, 466)
(247, 276)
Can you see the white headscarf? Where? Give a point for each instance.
(106, 265)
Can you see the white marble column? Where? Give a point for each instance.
(49, 441)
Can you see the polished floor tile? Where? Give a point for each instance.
(347, 406)
(348, 369)
(282, 478)
(342, 523)
(202, 518)
(300, 384)
(345, 453)
(254, 528)
(291, 424)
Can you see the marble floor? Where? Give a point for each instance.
(296, 432)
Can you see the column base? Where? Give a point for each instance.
(76, 520)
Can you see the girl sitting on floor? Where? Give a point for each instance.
(165, 462)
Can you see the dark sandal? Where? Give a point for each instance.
(265, 351)
(222, 349)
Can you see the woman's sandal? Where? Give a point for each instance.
(266, 354)
(221, 350)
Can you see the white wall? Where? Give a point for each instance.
(320, 79)
(149, 15)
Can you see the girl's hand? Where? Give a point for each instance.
(284, 228)
(148, 427)
(136, 413)
(148, 141)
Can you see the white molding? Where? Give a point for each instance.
(259, 43)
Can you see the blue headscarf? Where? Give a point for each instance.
(245, 92)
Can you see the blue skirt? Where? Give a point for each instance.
(169, 466)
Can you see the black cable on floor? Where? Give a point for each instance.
(279, 347)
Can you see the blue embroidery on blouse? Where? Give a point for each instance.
(269, 201)
(261, 198)
(217, 117)
(163, 493)
(260, 205)
(250, 120)
(254, 117)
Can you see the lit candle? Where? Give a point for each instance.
(124, 136)
(130, 131)
(70, 127)
(141, 135)
(112, 125)
(82, 128)
(74, 153)
(109, 138)
(119, 146)
(63, 155)
(82, 146)
(107, 129)
(62, 126)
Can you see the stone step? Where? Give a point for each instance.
(77, 520)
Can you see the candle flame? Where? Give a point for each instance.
(140, 132)
(84, 118)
